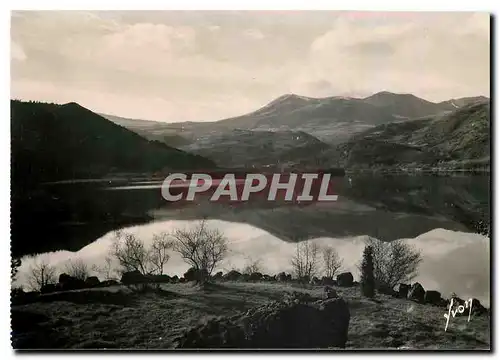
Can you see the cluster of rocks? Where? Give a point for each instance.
(296, 321)
(67, 282)
(417, 293)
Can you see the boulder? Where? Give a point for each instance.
(325, 280)
(281, 324)
(478, 308)
(67, 282)
(345, 279)
(194, 274)
(387, 290)
(402, 290)
(256, 276)
(49, 288)
(432, 297)
(416, 293)
(304, 279)
(218, 276)
(133, 277)
(158, 279)
(233, 275)
(329, 293)
(107, 283)
(315, 281)
(92, 281)
(283, 277)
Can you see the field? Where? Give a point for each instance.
(119, 317)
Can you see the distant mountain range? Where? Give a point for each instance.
(385, 129)
(332, 119)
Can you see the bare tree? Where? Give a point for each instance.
(131, 253)
(252, 266)
(332, 261)
(40, 275)
(106, 271)
(200, 247)
(158, 254)
(305, 260)
(394, 262)
(77, 268)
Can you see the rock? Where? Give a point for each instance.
(233, 275)
(282, 277)
(325, 280)
(387, 290)
(416, 293)
(256, 276)
(402, 290)
(194, 274)
(107, 283)
(218, 276)
(329, 293)
(315, 281)
(92, 281)
(478, 308)
(280, 325)
(163, 278)
(345, 279)
(432, 297)
(67, 282)
(49, 288)
(133, 277)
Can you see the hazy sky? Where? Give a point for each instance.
(178, 66)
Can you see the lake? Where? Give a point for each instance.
(435, 214)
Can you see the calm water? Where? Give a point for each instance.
(435, 214)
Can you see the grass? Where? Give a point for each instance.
(118, 317)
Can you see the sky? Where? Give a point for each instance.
(177, 66)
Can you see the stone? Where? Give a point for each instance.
(432, 297)
(92, 281)
(67, 282)
(277, 325)
(133, 277)
(329, 293)
(325, 280)
(256, 276)
(48, 288)
(194, 274)
(345, 279)
(416, 293)
(233, 275)
(402, 290)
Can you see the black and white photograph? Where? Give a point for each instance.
(250, 180)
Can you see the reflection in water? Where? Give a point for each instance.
(453, 261)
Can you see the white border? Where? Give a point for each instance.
(386, 5)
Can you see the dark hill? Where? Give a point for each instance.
(54, 142)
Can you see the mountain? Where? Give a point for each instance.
(458, 138)
(56, 142)
(151, 130)
(331, 119)
(247, 148)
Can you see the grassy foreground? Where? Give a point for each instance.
(117, 317)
